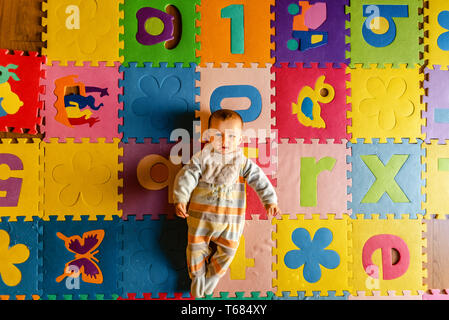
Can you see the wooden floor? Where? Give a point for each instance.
(20, 29)
(20, 25)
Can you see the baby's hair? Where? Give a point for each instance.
(224, 114)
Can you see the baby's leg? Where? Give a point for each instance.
(197, 252)
(219, 263)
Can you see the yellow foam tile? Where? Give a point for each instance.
(82, 178)
(386, 103)
(375, 268)
(21, 179)
(293, 276)
(81, 30)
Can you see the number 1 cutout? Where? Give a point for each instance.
(235, 13)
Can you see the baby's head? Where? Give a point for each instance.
(225, 130)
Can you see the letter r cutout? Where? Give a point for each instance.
(385, 178)
(309, 176)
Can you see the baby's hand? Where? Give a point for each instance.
(272, 209)
(181, 210)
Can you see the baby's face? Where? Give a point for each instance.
(225, 136)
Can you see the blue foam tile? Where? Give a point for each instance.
(56, 255)
(408, 178)
(154, 257)
(25, 233)
(157, 100)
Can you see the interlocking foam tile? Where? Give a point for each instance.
(21, 183)
(20, 297)
(316, 182)
(251, 268)
(374, 269)
(244, 90)
(81, 102)
(437, 111)
(157, 101)
(386, 103)
(436, 36)
(310, 103)
(317, 295)
(148, 176)
(312, 255)
(263, 152)
(235, 31)
(82, 178)
(161, 296)
(405, 295)
(80, 258)
(255, 295)
(386, 177)
(82, 30)
(154, 258)
(437, 179)
(169, 35)
(81, 297)
(436, 294)
(253, 204)
(19, 91)
(310, 32)
(21, 258)
(385, 31)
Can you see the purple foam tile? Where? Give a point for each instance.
(334, 25)
(138, 198)
(437, 114)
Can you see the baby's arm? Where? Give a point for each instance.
(257, 180)
(185, 181)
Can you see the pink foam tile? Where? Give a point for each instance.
(331, 186)
(263, 152)
(258, 246)
(94, 86)
(213, 79)
(436, 295)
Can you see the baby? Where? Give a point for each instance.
(214, 182)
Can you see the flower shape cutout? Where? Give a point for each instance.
(160, 103)
(92, 26)
(144, 260)
(9, 256)
(312, 253)
(443, 39)
(81, 179)
(388, 103)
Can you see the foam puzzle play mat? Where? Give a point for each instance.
(349, 102)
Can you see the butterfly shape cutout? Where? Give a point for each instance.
(85, 263)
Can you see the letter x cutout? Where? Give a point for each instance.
(385, 181)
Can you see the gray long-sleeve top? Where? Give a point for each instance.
(212, 167)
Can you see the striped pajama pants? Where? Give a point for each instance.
(217, 215)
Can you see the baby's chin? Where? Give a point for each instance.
(224, 150)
